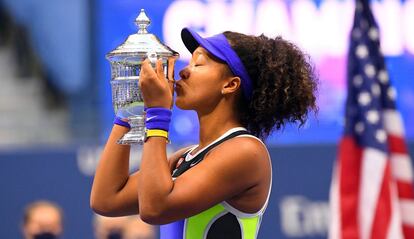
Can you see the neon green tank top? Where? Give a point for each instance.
(221, 220)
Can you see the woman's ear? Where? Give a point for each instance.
(231, 85)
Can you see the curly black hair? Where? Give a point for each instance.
(284, 83)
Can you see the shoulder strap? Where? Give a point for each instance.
(184, 166)
(201, 155)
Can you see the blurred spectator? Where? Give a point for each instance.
(42, 220)
(137, 229)
(131, 227)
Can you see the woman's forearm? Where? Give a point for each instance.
(155, 179)
(114, 191)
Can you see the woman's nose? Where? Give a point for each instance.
(184, 73)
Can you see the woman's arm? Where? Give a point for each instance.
(223, 174)
(114, 191)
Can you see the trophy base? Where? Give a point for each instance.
(130, 139)
(136, 134)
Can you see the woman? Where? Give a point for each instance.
(242, 87)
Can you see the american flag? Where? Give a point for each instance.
(372, 194)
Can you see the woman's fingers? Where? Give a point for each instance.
(170, 74)
(145, 64)
(160, 70)
(145, 69)
(153, 83)
(148, 73)
(171, 63)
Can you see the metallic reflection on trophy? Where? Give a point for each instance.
(126, 62)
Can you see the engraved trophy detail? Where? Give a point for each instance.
(126, 62)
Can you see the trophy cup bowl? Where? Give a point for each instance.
(126, 61)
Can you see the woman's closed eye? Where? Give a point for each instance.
(196, 64)
(199, 61)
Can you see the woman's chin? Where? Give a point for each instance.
(179, 103)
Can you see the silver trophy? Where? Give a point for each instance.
(126, 62)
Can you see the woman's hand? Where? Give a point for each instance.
(156, 89)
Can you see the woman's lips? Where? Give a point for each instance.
(177, 87)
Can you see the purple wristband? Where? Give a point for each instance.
(158, 118)
(120, 122)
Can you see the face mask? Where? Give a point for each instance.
(114, 235)
(45, 235)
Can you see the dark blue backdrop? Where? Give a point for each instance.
(297, 209)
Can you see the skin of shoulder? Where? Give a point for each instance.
(229, 170)
(251, 175)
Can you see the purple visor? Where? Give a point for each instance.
(219, 47)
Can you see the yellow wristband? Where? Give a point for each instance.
(157, 133)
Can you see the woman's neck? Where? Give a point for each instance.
(215, 124)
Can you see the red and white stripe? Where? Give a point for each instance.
(401, 168)
(372, 194)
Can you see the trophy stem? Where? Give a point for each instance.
(136, 134)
